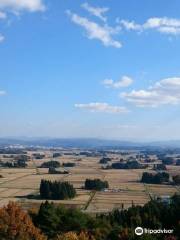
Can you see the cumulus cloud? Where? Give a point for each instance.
(19, 5)
(164, 25)
(102, 107)
(96, 31)
(166, 91)
(125, 81)
(96, 11)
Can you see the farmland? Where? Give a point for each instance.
(125, 188)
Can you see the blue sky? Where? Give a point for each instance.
(104, 68)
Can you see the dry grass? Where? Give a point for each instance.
(16, 184)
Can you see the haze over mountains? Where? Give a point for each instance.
(85, 142)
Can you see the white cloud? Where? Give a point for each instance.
(19, 5)
(96, 31)
(2, 38)
(166, 91)
(102, 107)
(3, 15)
(2, 92)
(125, 81)
(164, 25)
(130, 25)
(96, 11)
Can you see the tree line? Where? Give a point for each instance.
(159, 178)
(127, 165)
(95, 184)
(56, 164)
(56, 190)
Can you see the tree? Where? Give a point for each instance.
(56, 190)
(117, 225)
(49, 219)
(55, 220)
(55, 155)
(53, 170)
(95, 184)
(45, 189)
(15, 224)
(104, 160)
(178, 162)
(158, 178)
(48, 164)
(167, 160)
(69, 164)
(159, 167)
(176, 179)
(127, 165)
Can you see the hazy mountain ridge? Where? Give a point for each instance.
(84, 142)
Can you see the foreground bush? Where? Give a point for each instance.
(59, 223)
(75, 236)
(15, 224)
(54, 220)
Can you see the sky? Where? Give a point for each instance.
(90, 69)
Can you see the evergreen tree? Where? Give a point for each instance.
(56, 190)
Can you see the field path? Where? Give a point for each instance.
(146, 188)
(93, 192)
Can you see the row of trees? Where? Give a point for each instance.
(53, 170)
(56, 190)
(15, 164)
(69, 164)
(159, 167)
(56, 154)
(95, 184)
(127, 165)
(159, 178)
(56, 164)
(63, 190)
(166, 160)
(49, 164)
(38, 156)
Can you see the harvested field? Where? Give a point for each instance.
(109, 200)
(125, 187)
(162, 190)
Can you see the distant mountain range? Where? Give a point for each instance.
(85, 143)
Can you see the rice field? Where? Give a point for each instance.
(125, 188)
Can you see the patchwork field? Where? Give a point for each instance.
(125, 188)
